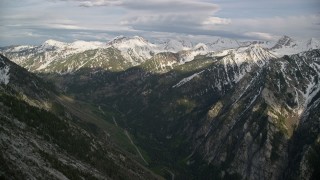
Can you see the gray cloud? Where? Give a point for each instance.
(152, 5)
(86, 3)
(35, 20)
(177, 16)
(186, 6)
(301, 26)
(160, 12)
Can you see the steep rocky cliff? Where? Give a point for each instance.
(40, 138)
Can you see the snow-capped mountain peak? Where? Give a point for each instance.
(132, 51)
(287, 46)
(140, 39)
(313, 43)
(284, 41)
(175, 45)
(135, 49)
(225, 41)
(54, 43)
(264, 44)
(257, 52)
(188, 55)
(201, 47)
(252, 54)
(115, 40)
(122, 41)
(222, 44)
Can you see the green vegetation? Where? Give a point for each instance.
(280, 122)
(97, 120)
(58, 109)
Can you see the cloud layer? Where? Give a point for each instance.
(33, 21)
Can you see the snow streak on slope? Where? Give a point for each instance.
(313, 88)
(185, 80)
(4, 73)
(298, 76)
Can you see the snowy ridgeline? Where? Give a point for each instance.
(136, 50)
(4, 73)
(141, 47)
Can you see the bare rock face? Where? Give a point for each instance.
(250, 133)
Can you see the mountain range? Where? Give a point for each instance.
(173, 109)
(122, 52)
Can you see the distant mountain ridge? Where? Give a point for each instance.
(123, 52)
(287, 46)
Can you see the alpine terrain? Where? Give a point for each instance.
(130, 108)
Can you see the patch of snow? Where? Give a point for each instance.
(81, 46)
(254, 98)
(225, 62)
(221, 53)
(247, 87)
(20, 48)
(70, 48)
(199, 49)
(312, 89)
(185, 80)
(239, 76)
(282, 69)
(4, 75)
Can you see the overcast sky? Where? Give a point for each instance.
(34, 21)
